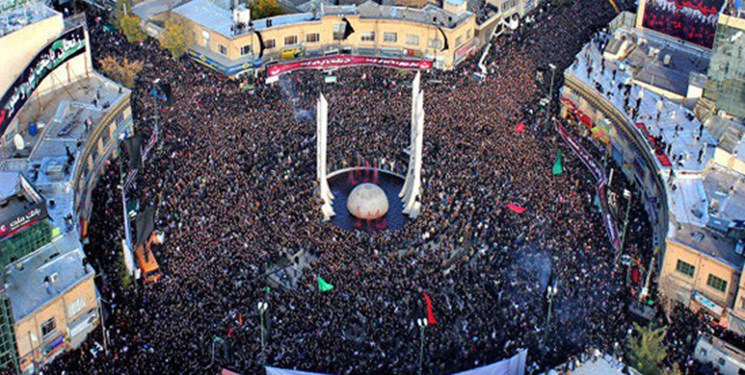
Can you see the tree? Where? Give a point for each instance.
(264, 8)
(121, 8)
(646, 349)
(178, 37)
(124, 72)
(129, 24)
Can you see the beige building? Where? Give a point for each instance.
(54, 301)
(60, 121)
(233, 43)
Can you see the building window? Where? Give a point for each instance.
(48, 328)
(339, 29)
(368, 37)
(75, 306)
(685, 268)
(435, 43)
(269, 44)
(717, 283)
(313, 38)
(222, 49)
(390, 37)
(412, 40)
(291, 40)
(458, 41)
(205, 38)
(245, 50)
(468, 34)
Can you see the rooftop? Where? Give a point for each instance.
(220, 20)
(23, 15)
(704, 198)
(51, 156)
(34, 284)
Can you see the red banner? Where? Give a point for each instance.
(340, 61)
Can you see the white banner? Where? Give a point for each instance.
(509, 366)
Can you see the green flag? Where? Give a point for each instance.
(323, 286)
(557, 164)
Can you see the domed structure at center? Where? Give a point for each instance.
(367, 201)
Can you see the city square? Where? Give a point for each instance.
(535, 190)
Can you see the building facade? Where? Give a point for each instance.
(725, 85)
(61, 122)
(387, 35)
(688, 172)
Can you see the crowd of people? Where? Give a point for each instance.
(232, 178)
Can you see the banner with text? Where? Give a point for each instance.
(56, 53)
(340, 61)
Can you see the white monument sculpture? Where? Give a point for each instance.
(322, 118)
(367, 201)
(413, 185)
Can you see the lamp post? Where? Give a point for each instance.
(262, 306)
(627, 195)
(422, 323)
(550, 293)
(550, 91)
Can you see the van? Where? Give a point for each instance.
(146, 262)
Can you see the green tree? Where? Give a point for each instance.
(264, 8)
(121, 8)
(129, 24)
(178, 37)
(647, 349)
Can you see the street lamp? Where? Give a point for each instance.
(422, 323)
(550, 293)
(550, 91)
(262, 306)
(627, 195)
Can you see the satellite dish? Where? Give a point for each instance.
(19, 142)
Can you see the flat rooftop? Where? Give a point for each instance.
(704, 198)
(32, 286)
(677, 124)
(16, 19)
(51, 156)
(220, 20)
(15, 198)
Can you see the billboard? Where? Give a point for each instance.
(56, 53)
(32, 215)
(694, 21)
(340, 61)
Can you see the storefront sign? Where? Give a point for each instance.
(227, 70)
(64, 48)
(464, 51)
(340, 61)
(14, 224)
(708, 304)
(54, 346)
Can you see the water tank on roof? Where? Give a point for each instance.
(19, 142)
(33, 129)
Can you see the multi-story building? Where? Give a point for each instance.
(368, 33)
(635, 99)
(725, 85)
(59, 123)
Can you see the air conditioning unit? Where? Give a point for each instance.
(54, 278)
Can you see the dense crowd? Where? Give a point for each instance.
(233, 180)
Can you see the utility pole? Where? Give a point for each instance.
(550, 92)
